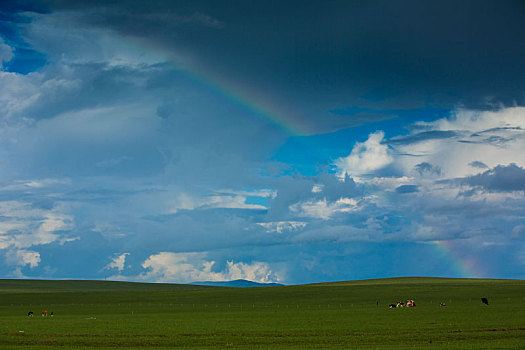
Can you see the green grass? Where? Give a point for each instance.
(93, 314)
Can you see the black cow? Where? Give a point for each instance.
(484, 301)
(30, 314)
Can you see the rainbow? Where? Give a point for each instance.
(257, 104)
(451, 252)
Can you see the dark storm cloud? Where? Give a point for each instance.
(134, 138)
(379, 54)
(98, 85)
(499, 138)
(422, 136)
(478, 164)
(407, 189)
(499, 179)
(426, 168)
(491, 130)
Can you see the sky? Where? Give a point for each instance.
(273, 141)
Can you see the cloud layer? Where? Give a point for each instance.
(198, 144)
(193, 267)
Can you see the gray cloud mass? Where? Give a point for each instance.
(499, 179)
(257, 139)
(366, 55)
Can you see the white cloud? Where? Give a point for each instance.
(232, 202)
(464, 144)
(317, 188)
(17, 92)
(17, 259)
(6, 53)
(322, 209)
(264, 193)
(489, 138)
(107, 229)
(65, 240)
(283, 226)
(365, 157)
(221, 199)
(117, 262)
(45, 233)
(192, 267)
(23, 226)
(23, 257)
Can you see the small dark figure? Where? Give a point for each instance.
(30, 314)
(52, 314)
(377, 303)
(484, 301)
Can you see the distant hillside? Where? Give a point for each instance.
(29, 286)
(19, 286)
(412, 281)
(236, 283)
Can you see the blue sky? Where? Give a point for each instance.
(289, 142)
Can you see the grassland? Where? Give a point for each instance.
(91, 314)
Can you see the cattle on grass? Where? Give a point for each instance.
(30, 314)
(44, 313)
(484, 301)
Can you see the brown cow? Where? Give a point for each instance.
(44, 313)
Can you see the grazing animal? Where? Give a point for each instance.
(400, 304)
(44, 313)
(392, 306)
(410, 303)
(30, 314)
(51, 314)
(484, 301)
(442, 304)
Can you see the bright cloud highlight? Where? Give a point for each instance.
(192, 267)
(365, 157)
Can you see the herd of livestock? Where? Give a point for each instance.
(409, 303)
(44, 313)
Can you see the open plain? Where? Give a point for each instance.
(100, 314)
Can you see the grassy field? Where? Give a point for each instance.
(91, 314)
